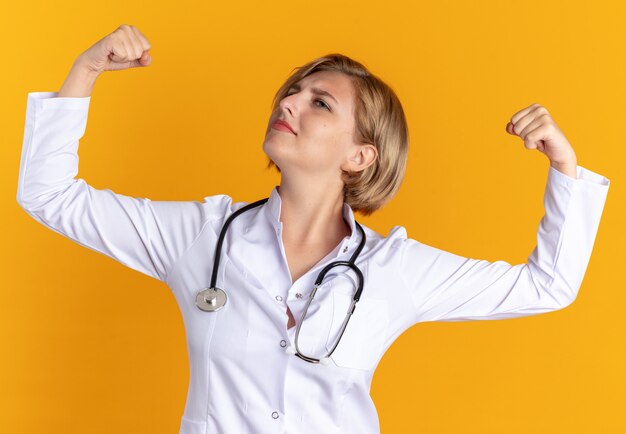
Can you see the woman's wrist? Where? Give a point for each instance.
(79, 82)
(567, 167)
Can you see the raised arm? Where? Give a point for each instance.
(448, 287)
(145, 235)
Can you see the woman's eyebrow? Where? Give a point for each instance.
(316, 91)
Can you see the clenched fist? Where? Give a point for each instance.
(535, 126)
(125, 48)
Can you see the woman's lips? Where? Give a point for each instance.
(278, 125)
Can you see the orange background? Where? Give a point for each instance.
(91, 346)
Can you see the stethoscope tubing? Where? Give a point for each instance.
(217, 297)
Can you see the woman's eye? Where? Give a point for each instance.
(322, 101)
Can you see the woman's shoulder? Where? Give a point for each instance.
(395, 236)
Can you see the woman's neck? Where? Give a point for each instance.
(312, 215)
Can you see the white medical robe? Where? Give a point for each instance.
(241, 379)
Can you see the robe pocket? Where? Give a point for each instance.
(190, 426)
(363, 340)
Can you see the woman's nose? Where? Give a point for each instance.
(289, 103)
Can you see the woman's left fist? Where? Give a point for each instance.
(539, 131)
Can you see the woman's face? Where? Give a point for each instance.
(323, 126)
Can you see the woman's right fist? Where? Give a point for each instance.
(125, 48)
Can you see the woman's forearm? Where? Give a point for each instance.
(79, 82)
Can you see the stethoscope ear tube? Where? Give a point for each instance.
(326, 269)
(357, 296)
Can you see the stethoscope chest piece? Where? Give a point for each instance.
(211, 299)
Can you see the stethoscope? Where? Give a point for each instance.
(213, 298)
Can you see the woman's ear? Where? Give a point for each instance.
(364, 156)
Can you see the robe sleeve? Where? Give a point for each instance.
(147, 236)
(448, 287)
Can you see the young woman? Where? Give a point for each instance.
(288, 302)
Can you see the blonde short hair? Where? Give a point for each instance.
(379, 120)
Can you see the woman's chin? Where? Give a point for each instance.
(273, 148)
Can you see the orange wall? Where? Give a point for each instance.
(91, 346)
